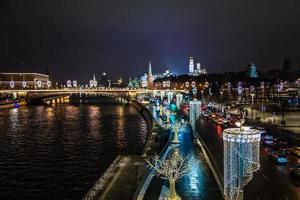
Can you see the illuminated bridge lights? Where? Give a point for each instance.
(241, 159)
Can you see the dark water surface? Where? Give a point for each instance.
(59, 152)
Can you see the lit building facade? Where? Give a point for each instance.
(252, 70)
(196, 71)
(24, 81)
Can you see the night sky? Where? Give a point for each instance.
(75, 39)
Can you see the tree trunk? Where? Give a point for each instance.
(172, 194)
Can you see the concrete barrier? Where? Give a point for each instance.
(105, 177)
(211, 163)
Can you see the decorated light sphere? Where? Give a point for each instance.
(48, 84)
(229, 85)
(24, 84)
(69, 83)
(240, 89)
(262, 85)
(39, 83)
(12, 84)
(74, 83)
(206, 84)
(168, 83)
(251, 88)
(193, 84)
(187, 84)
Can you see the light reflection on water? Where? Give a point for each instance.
(59, 152)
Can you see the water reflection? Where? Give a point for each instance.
(59, 152)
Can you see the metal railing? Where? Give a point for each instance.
(105, 177)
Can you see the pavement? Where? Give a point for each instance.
(125, 181)
(292, 119)
(199, 183)
(270, 182)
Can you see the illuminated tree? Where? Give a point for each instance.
(170, 169)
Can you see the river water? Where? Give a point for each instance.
(58, 152)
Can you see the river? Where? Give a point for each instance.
(58, 152)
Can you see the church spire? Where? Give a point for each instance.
(150, 69)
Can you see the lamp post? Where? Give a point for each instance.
(252, 100)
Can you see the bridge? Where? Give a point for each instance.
(43, 95)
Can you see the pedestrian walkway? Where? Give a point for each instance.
(125, 181)
(199, 183)
(292, 119)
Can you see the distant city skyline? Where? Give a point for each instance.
(74, 40)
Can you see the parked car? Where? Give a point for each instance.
(295, 173)
(281, 146)
(261, 129)
(267, 141)
(278, 157)
(296, 151)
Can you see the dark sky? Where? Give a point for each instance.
(75, 39)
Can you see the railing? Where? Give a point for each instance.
(144, 183)
(105, 177)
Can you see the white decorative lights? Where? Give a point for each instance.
(241, 159)
(195, 110)
(179, 98)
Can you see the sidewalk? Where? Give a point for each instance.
(292, 119)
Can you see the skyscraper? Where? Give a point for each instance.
(252, 70)
(191, 65)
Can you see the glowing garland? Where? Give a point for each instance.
(241, 160)
(195, 112)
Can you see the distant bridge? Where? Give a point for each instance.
(47, 94)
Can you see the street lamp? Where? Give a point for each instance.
(252, 99)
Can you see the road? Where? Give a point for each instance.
(270, 182)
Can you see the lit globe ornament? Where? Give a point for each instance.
(12, 84)
(24, 84)
(48, 84)
(262, 85)
(241, 159)
(240, 89)
(39, 83)
(228, 85)
(164, 83)
(168, 83)
(187, 84)
(74, 83)
(69, 83)
(193, 84)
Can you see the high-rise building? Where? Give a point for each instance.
(191, 65)
(252, 70)
(196, 71)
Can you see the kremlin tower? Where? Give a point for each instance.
(150, 78)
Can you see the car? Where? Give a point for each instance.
(262, 130)
(268, 141)
(295, 173)
(296, 151)
(278, 157)
(267, 137)
(280, 145)
(220, 121)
